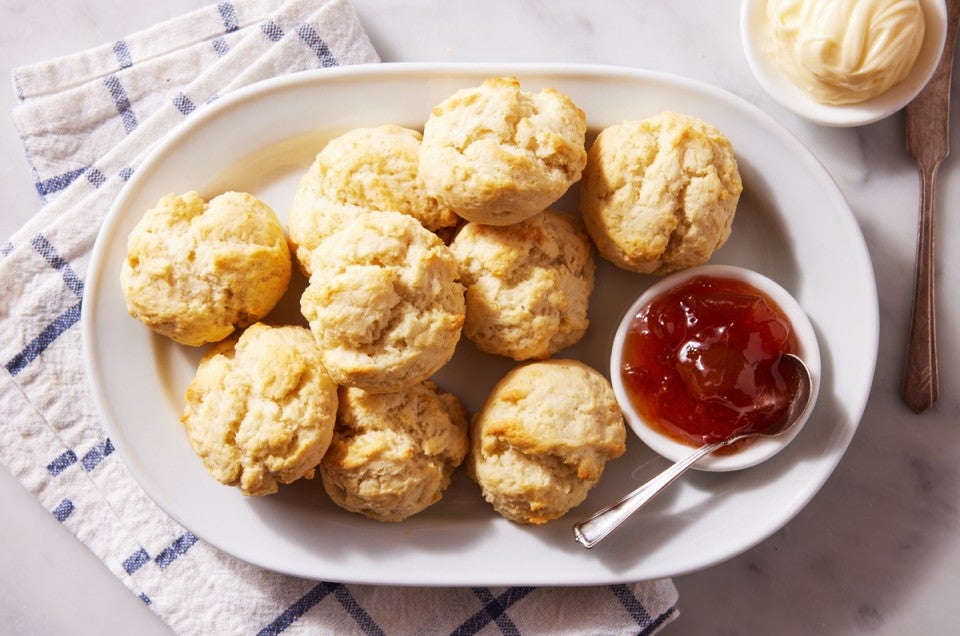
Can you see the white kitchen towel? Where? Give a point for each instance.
(86, 121)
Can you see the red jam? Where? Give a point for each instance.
(701, 362)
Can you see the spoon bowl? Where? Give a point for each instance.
(594, 528)
(800, 402)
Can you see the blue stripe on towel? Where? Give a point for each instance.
(95, 177)
(136, 561)
(145, 599)
(64, 321)
(317, 45)
(273, 32)
(49, 253)
(177, 548)
(494, 610)
(220, 47)
(298, 609)
(59, 182)
(39, 344)
(97, 454)
(123, 54)
(366, 623)
(229, 15)
(659, 621)
(61, 463)
(122, 102)
(631, 603)
(63, 510)
(314, 596)
(183, 104)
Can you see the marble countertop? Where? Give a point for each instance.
(876, 551)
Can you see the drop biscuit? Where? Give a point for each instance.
(659, 194)
(392, 454)
(528, 284)
(384, 302)
(261, 408)
(195, 271)
(498, 155)
(542, 439)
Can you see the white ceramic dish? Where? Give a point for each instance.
(759, 450)
(753, 34)
(793, 224)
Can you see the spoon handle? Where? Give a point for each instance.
(591, 530)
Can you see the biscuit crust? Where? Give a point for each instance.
(659, 194)
(392, 454)
(260, 410)
(498, 155)
(384, 302)
(196, 271)
(542, 439)
(363, 170)
(528, 284)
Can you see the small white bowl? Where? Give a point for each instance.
(759, 449)
(753, 34)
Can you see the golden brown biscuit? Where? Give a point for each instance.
(392, 454)
(366, 169)
(498, 155)
(528, 284)
(542, 439)
(384, 302)
(261, 409)
(660, 194)
(195, 271)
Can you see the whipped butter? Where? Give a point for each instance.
(845, 51)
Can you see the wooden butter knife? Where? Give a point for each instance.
(927, 124)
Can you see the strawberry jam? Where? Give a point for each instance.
(701, 362)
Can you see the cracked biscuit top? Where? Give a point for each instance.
(392, 454)
(498, 155)
(543, 437)
(260, 410)
(659, 195)
(384, 302)
(363, 170)
(195, 271)
(528, 284)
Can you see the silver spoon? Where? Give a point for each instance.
(591, 530)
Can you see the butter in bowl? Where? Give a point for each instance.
(843, 63)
